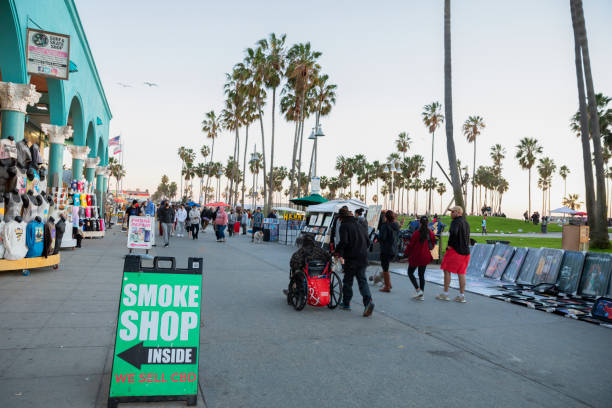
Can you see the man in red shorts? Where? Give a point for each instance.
(457, 254)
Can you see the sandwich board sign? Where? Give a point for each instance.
(158, 333)
(141, 234)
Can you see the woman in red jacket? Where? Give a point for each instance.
(419, 255)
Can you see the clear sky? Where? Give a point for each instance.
(513, 64)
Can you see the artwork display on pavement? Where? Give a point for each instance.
(548, 266)
(529, 266)
(479, 259)
(514, 266)
(569, 274)
(500, 258)
(596, 274)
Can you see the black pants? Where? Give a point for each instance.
(255, 229)
(411, 270)
(76, 236)
(384, 261)
(230, 229)
(195, 228)
(352, 270)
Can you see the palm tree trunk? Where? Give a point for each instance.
(237, 166)
(473, 174)
(271, 187)
(448, 108)
(246, 143)
(433, 137)
(529, 187)
(299, 170)
(601, 236)
(263, 155)
(292, 174)
(584, 126)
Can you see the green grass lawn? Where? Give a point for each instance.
(495, 225)
(527, 242)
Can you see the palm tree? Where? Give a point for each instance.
(472, 127)
(564, 171)
(600, 237)
(572, 201)
(172, 188)
(188, 174)
(233, 115)
(546, 169)
(448, 107)
(211, 126)
(200, 172)
(324, 96)
(526, 153)
(433, 118)
(273, 65)
(302, 72)
(117, 171)
(187, 156)
(441, 189)
(403, 143)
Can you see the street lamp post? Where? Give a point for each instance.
(315, 134)
(391, 169)
(219, 173)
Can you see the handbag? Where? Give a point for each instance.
(430, 244)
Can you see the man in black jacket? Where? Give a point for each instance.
(165, 215)
(352, 251)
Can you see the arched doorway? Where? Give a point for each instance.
(76, 120)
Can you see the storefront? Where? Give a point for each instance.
(51, 94)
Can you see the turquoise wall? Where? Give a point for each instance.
(83, 87)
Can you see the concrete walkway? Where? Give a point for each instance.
(57, 331)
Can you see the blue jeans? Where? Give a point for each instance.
(221, 231)
(351, 271)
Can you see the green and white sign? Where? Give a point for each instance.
(158, 333)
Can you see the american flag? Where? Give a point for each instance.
(114, 141)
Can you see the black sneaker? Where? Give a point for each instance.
(344, 306)
(368, 309)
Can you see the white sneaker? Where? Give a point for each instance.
(460, 299)
(442, 296)
(419, 296)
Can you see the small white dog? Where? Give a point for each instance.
(258, 237)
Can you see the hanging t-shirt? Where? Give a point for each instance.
(83, 200)
(35, 235)
(49, 246)
(14, 238)
(75, 216)
(1, 241)
(32, 210)
(43, 210)
(76, 200)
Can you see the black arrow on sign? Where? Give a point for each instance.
(139, 354)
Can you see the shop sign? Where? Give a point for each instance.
(158, 333)
(48, 54)
(140, 233)
(373, 215)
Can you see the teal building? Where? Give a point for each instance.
(64, 116)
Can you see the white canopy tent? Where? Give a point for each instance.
(564, 210)
(335, 205)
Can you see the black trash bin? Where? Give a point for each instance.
(266, 233)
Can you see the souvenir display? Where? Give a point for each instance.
(513, 268)
(480, 254)
(35, 233)
(596, 274)
(13, 204)
(49, 238)
(60, 229)
(14, 239)
(499, 261)
(548, 266)
(570, 272)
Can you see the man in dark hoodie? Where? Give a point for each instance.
(352, 251)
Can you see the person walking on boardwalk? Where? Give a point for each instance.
(457, 254)
(165, 215)
(419, 255)
(484, 225)
(220, 224)
(194, 221)
(352, 251)
(181, 216)
(257, 223)
(388, 237)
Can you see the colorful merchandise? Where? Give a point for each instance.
(1, 241)
(14, 238)
(35, 234)
(76, 200)
(83, 200)
(49, 240)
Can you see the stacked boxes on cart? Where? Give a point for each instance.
(552, 280)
